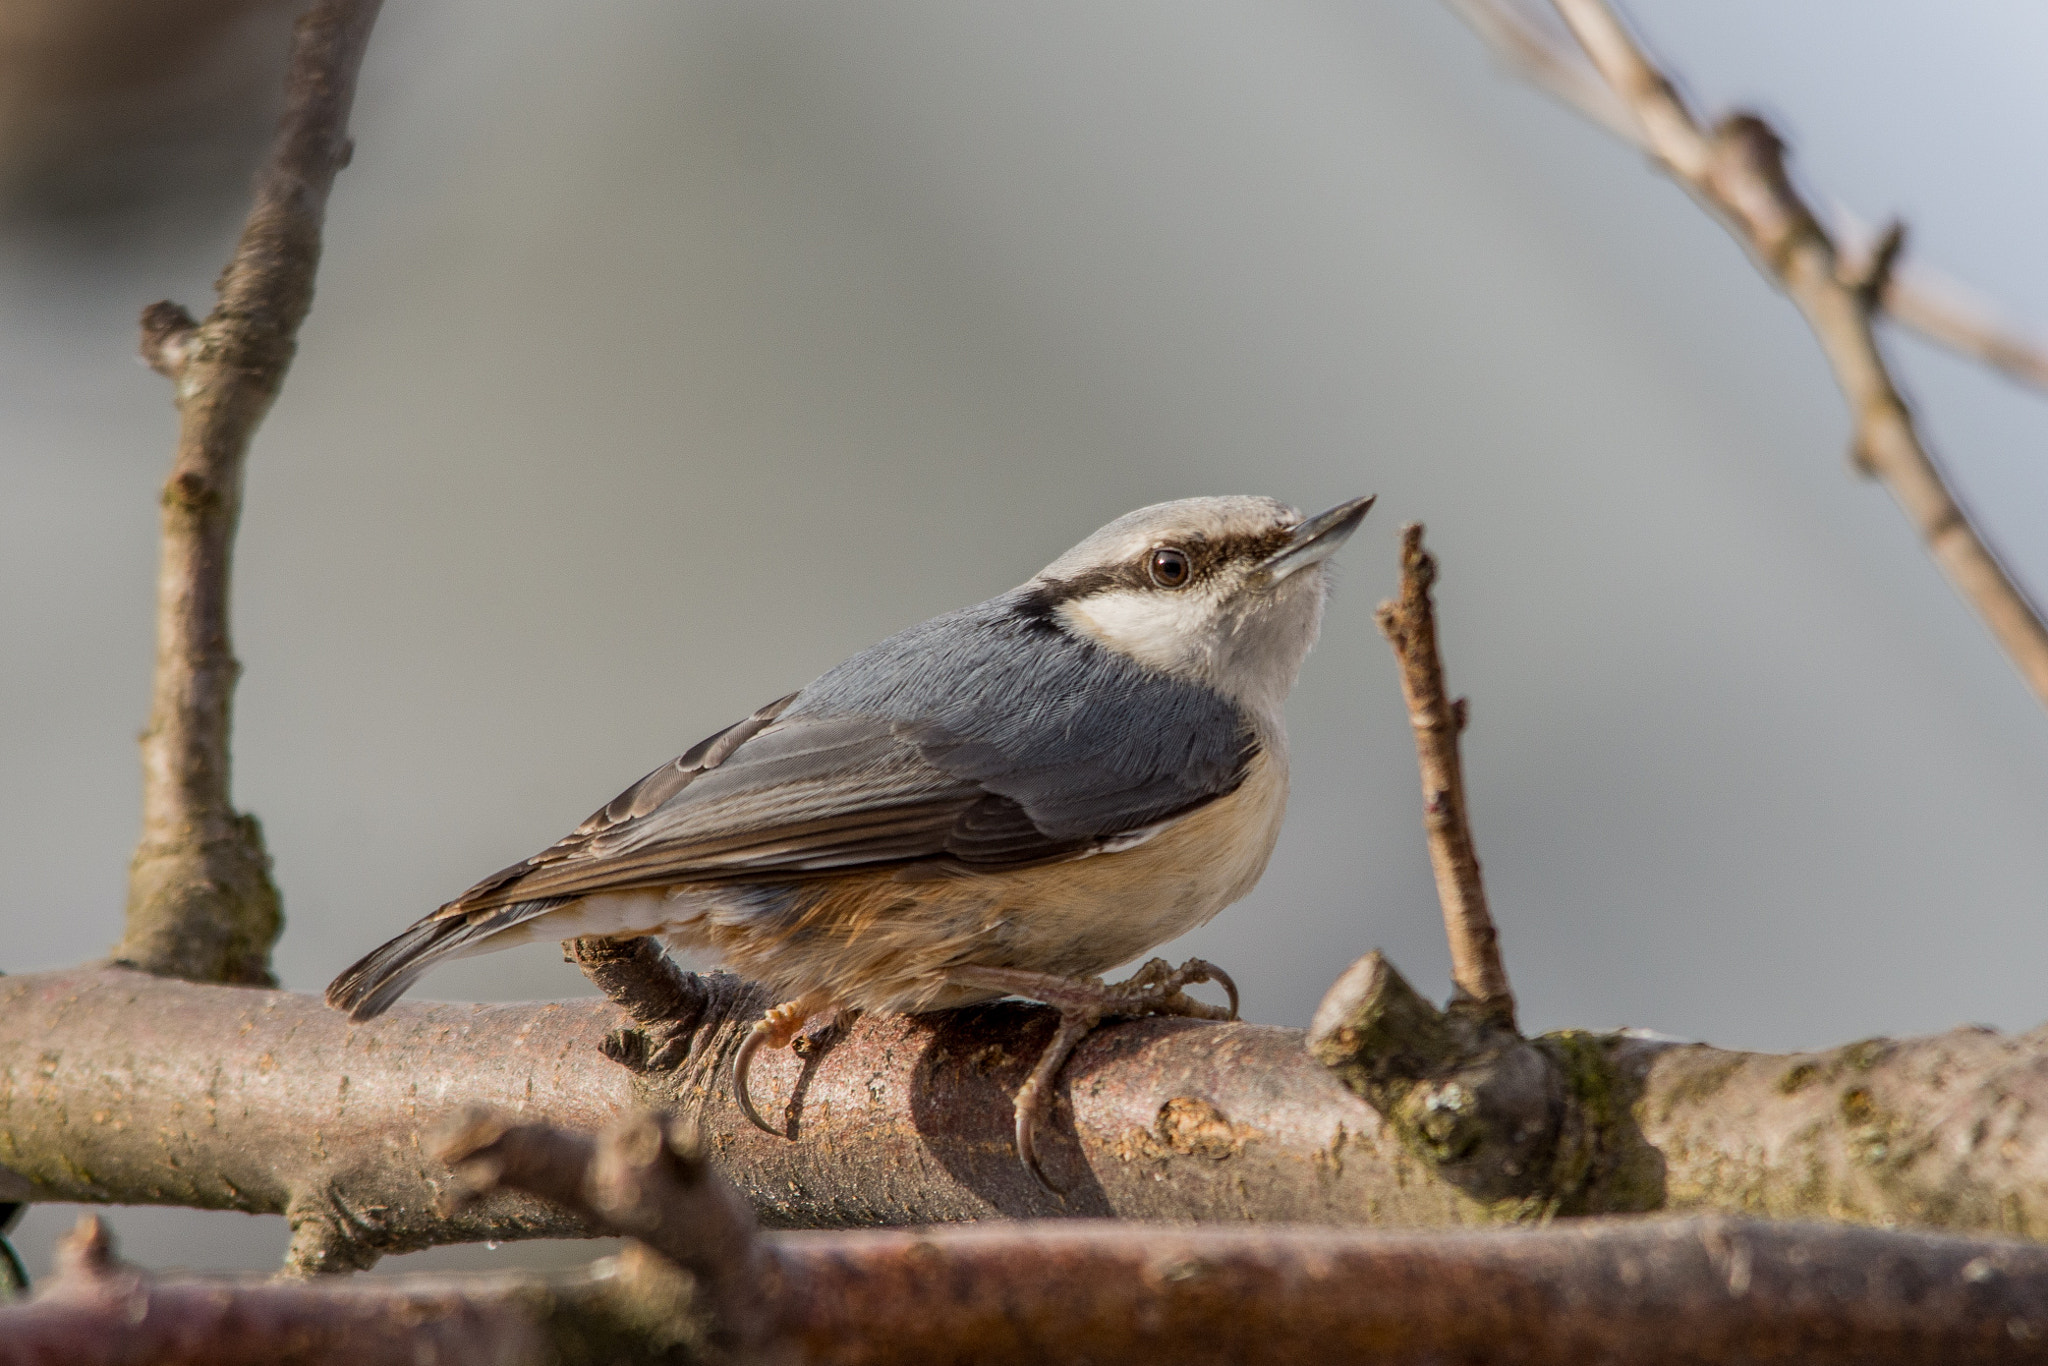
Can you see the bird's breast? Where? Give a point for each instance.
(1087, 915)
(884, 940)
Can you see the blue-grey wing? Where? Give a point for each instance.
(982, 739)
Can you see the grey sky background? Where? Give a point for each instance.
(667, 353)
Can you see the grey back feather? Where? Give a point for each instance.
(985, 738)
(1086, 741)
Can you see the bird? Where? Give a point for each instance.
(1006, 800)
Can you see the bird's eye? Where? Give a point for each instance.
(1169, 567)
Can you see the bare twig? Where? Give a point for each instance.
(1738, 172)
(1531, 42)
(1941, 310)
(1652, 1293)
(201, 903)
(1409, 622)
(1916, 296)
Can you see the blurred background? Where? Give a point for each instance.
(666, 353)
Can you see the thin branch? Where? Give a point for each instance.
(201, 903)
(1409, 623)
(1943, 311)
(1738, 172)
(1917, 297)
(1653, 1293)
(1531, 43)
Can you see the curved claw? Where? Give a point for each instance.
(1035, 1097)
(1027, 1152)
(1222, 979)
(743, 1063)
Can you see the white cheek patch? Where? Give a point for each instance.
(1167, 631)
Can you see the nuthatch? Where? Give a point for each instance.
(1005, 800)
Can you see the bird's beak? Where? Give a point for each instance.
(1314, 540)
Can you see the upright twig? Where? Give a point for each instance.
(201, 903)
(1737, 171)
(1409, 622)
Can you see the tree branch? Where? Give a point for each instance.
(201, 904)
(120, 1088)
(1916, 296)
(1409, 624)
(98, 1311)
(1737, 171)
(645, 1178)
(1655, 1293)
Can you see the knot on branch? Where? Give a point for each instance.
(1868, 272)
(87, 1252)
(1746, 173)
(1527, 1129)
(169, 336)
(204, 910)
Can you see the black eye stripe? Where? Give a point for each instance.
(1205, 556)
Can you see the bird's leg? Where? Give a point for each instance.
(822, 1031)
(775, 1029)
(1083, 1003)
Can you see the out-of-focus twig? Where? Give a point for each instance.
(201, 903)
(1532, 43)
(644, 1177)
(1941, 310)
(1918, 297)
(1409, 623)
(1693, 1292)
(1737, 170)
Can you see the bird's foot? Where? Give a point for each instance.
(776, 1029)
(1084, 1003)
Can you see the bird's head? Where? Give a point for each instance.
(1227, 592)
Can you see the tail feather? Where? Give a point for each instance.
(368, 987)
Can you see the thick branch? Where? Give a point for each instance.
(1685, 1293)
(117, 1087)
(1409, 623)
(1737, 171)
(131, 1089)
(201, 904)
